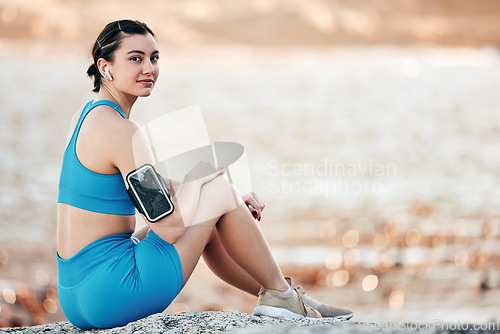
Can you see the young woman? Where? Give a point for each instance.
(110, 274)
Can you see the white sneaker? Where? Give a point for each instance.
(326, 311)
(277, 304)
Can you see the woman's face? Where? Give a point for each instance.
(135, 66)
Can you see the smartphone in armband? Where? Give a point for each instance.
(149, 193)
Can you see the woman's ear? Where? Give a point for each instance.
(103, 67)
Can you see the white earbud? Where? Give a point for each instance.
(108, 74)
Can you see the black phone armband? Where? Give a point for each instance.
(149, 193)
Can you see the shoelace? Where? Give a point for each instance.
(300, 290)
(300, 293)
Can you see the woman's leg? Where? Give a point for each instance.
(221, 264)
(220, 205)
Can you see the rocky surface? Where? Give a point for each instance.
(237, 322)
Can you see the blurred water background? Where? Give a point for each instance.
(371, 133)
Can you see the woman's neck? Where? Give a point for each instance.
(125, 102)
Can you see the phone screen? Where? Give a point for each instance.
(151, 193)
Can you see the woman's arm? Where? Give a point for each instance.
(186, 199)
(129, 149)
(173, 185)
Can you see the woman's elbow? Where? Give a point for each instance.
(171, 228)
(174, 234)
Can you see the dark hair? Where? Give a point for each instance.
(109, 41)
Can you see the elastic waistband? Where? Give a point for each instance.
(87, 261)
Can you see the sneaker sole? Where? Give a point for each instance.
(278, 312)
(344, 317)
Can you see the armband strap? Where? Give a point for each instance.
(149, 193)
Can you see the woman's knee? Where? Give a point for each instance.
(222, 193)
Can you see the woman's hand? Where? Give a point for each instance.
(203, 172)
(254, 204)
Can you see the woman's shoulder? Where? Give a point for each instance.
(104, 129)
(120, 140)
(107, 121)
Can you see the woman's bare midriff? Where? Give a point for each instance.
(77, 228)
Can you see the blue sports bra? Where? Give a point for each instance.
(85, 189)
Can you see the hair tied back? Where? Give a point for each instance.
(109, 41)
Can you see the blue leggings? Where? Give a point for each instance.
(113, 281)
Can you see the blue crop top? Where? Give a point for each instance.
(85, 189)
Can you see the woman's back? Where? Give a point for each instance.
(92, 199)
